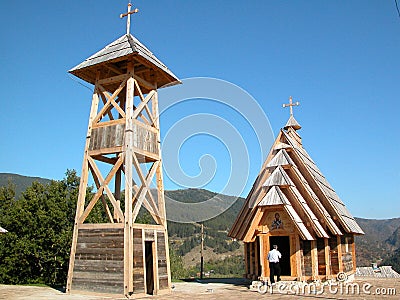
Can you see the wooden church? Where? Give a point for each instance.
(123, 160)
(292, 205)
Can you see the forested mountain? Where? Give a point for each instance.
(379, 241)
(39, 215)
(20, 182)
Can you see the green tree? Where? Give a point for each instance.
(36, 248)
(178, 270)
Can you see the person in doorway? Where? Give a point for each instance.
(274, 268)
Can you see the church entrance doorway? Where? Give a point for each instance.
(284, 248)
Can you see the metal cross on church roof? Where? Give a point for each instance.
(128, 14)
(291, 104)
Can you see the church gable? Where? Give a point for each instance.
(292, 205)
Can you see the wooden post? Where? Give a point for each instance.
(353, 253)
(339, 252)
(314, 260)
(82, 186)
(246, 261)
(155, 268)
(299, 271)
(263, 256)
(128, 229)
(266, 249)
(327, 259)
(159, 178)
(256, 257)
(201, 252)
(251, 245)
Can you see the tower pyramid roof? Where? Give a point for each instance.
(115, 56)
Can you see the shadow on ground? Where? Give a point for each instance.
(234, 281)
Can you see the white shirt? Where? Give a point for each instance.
(274, 256)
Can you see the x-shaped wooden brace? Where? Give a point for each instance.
(110, 101)
(145, 106)
(143, 190)
(103, 187)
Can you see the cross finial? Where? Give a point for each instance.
(291, 104)
(128, 14)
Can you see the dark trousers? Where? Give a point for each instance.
(274, 269)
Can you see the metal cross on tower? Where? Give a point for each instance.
(128, 14)
(291, 104)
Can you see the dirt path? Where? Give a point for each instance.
(218, 289)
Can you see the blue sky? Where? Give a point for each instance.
(340, 59)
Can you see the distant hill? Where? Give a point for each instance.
(381, 242)
(20, 182)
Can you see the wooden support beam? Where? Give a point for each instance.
(155, 268)
(145, 83)
(104, 186)
(339, 252)
(144, 262)
(299, 272)
(103, 98)
(263, 255)
(327, 259)
(142, 105)
(82, 187)
(353, 253)
(128, 229)
(111, 101)
(314, 260)
(105, 205)
(256, 257)
(252, 256)
(246, 260)
(145, 187)
(142, 98)
(109, 123)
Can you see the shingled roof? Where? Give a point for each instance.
(308, 198)
(125, 48)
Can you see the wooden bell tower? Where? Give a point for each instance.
(122, 156)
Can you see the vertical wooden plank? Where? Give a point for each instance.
(299, 273)
(262, 255)
(144, 260)
(353, 252)
(155, 258)
(314, 260)
(327, 259)
(159, 179)
(256, 256)
(266, 249)
(82, 185)
(339, 252)
(293, 260)
(128, 229)
(246, 260)
(117, 191)
(251, 244)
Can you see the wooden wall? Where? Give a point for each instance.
(321, 259)
(99, 264)
(138, 262)
(305, 251)
(347, 242)
(109, 136)
(99, 260)
(334, 255)
(162, 261)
